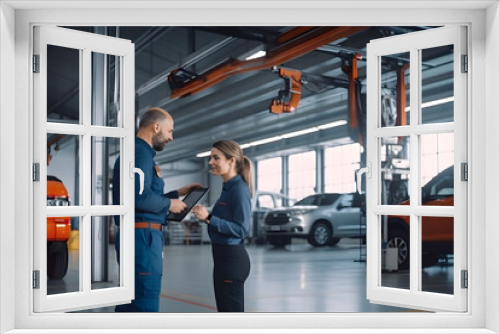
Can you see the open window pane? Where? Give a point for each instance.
(63, 255)
(103, 252)
(394, 89)
(395, 170)
(395, 257)
(437, 171)
(106, 90)
(63, 172)
(437, 254)
(437, 103)
(104, 153)
(435, 150)
(63, 80)
(70, 186)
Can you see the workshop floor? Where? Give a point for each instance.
(296, 278)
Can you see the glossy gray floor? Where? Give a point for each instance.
(297, 278)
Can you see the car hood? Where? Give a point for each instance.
(296, 208)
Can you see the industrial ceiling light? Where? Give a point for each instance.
(284, 136)
(257, 54)
(434, 103)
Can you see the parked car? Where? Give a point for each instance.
(437, 232)
(323, 219)
(263, 202)
(58, 230)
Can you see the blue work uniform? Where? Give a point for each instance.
(150, 207)
(228, 227)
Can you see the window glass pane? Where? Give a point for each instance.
(269, 175)
(437, 85)
(63, 85)
(395, 170)
(395, 256)
(63, 177)
(104, 153)
(302, 174)
(341, 164)
(106, 89)
(395, 90)
(437, 169)
(103, 253)
(437, 254)
(63, 255)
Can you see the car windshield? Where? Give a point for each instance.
(319, 200)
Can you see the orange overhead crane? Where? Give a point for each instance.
(292, 44)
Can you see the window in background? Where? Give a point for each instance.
(302, 175)
(341, 163)
(269, 175)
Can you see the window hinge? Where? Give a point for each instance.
(36, 63)
(465, 64)
(464, 169)
(465, 279)
(36, 279)
(36, 172)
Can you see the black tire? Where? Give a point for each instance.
(279, 241)
(320, 235)
(334, 241)
(57, 259)
(398, 238)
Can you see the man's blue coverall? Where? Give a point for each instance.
(150, 207)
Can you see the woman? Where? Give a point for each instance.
(228, 224)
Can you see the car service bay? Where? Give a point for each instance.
(366, 141)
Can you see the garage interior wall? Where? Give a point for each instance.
(485, 154)
(7, 163)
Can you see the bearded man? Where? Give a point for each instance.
(156, 128)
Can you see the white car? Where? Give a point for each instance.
(323, 219)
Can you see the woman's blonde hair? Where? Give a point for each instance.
(232, 149)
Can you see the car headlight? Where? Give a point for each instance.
(57, 202)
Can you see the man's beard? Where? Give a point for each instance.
(159, 142)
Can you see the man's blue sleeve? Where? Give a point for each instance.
(149, 201)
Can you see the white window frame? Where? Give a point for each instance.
(484, 308)
(414, 296)
(85, 43)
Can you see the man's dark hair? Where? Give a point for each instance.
(152, 116)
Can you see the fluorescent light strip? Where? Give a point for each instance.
(434, 103)
(257, 54)
(284, 136)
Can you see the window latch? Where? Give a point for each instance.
(360, 172)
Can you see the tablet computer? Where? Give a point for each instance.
(190, 199)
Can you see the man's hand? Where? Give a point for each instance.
(177, 206)
(187, 188)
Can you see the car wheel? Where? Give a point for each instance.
(334, 241)
(57, 260)
(279, 241)
(320, 235)
(399, 239)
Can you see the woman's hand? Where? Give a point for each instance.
(187, 188)
(201, 213)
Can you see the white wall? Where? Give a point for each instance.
(7, 160)
(492, 173)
